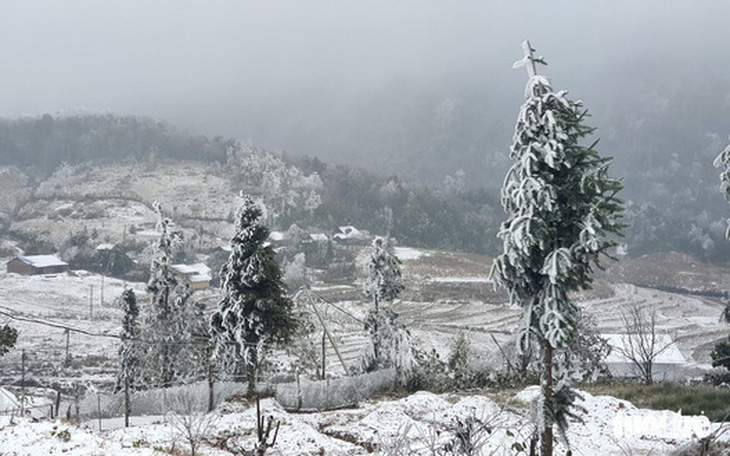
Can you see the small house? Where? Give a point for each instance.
(197, 276)
(8, 402)
(317, 237)
(278, 239)
(667, 363)
(105, 247)
(349, 235)
(37, 265)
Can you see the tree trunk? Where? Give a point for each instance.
(547, 393)
(127, 402)
(211, 398)
(251, 373)
(648, 368)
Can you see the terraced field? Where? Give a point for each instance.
(463, 302)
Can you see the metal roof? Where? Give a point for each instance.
(42, 261)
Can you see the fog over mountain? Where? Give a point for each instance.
(416, 88)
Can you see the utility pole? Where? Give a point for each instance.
(324, 353)
(211, 397)
(22, 382)
(327, 333)
(91, 302)
(68, 336)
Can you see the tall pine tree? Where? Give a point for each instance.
(562, 216)
(129, 351)
(168, 319)
(255, 311)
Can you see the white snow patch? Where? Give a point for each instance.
(528, 394)
(459, 280)
(408, 253)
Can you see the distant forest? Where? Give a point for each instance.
(416, 215)
(673, 199)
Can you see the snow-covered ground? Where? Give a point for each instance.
(416, 425)
(408, 253)
(418, 421)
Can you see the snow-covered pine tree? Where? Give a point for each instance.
(562, 216)
(129, 351)
(168, 319)
(390, 342)
(255, 311)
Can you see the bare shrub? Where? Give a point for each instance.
(706, 446)
(187, 420)
(642, 343)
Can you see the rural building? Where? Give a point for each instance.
(349, 235)
(667, 363)
(105, 247)
(317, 237)
(36, 264)
(197, 276)
(8, 401)
(278, 239)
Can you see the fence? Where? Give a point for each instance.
(330, 394)
(299, 396)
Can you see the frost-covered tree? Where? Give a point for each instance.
(8, 337)
(295, 272)
(255, 311)
(724, 160)
(169, 354)
(129, 351)
(390, 343)
(383, 281)
(284, 188)
(721, 353)
(562, 215)
(586, 355)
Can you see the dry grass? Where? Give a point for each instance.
(691, 400)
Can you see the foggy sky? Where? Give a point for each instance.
(284, 73)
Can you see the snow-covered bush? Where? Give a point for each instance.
(295, 272)
(389, 345)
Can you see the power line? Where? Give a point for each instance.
(202, 341)
(326, 301)
(55, 325)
